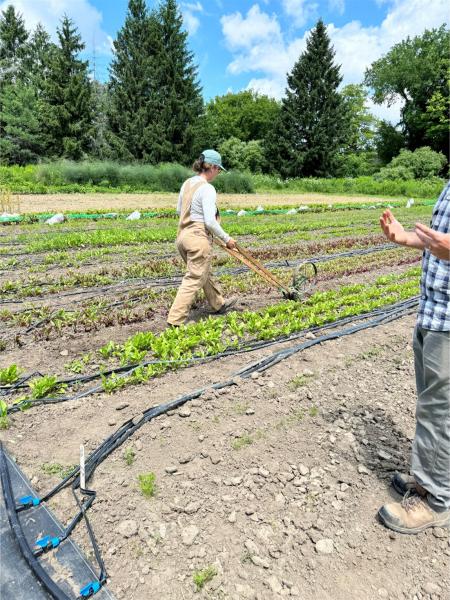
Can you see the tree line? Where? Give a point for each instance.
(151, 109)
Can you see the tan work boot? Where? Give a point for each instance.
(412, 515)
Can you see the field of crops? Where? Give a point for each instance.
(84, 349)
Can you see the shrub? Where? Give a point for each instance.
(398, 173)
(420, 188)
(234, 182)
(423, 163)
(237, 154)
(160, 178)
(356, 164)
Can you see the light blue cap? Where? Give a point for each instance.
(213, 158)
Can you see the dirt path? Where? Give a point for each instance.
(274, 484)
(34, 203)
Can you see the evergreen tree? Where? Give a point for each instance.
(67, 95)
(36, 62)
(13, 37)
(311, 126)
(132, 92)
(179, 93)
(22, 141)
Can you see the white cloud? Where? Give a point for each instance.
(300, 11)
(337, 6)
(385, 112)
(191, 22)
(269, 87)
(264, 51)
(87, 18)
(194, 6)
(256, 27)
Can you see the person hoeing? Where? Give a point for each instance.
(197, 226)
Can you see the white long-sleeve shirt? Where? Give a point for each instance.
(203, 207)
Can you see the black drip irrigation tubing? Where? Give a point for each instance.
(401, 307)
(129, 427)
(175, 279)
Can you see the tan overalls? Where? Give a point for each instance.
(194, 243)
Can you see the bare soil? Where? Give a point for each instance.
(253, 479)
(274, 482)
(35, 203)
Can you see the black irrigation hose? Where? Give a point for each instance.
(250, 346)
(16, 528)
(131, 425)
(175, 279)
(127, 429)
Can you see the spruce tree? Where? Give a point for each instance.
(67, 96)
(22, 141)
(311, 125)
(37, 58)
(13, 37)
(180, 100)
(132, 92)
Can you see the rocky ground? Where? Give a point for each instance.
(264, 490)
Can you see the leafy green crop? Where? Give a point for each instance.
(42, 386)
(10, 374)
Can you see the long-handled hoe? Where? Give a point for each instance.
(303, 276)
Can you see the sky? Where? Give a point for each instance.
(242, 44)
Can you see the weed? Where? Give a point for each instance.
(313, 411)
(8, 203)
(241, 407)
(242, 441)
(195, 425)
(57, 469)
(293, 419)
(299, 381)
(129, 455)
(372, 352)
(147, 484)
(201, 578)
(10, 374)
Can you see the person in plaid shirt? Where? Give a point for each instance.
(426, 501)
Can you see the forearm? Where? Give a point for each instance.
(412, 240)
(213, 227)
(211, 223)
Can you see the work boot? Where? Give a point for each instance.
(412, 515)
(404, 483)
(226, 306)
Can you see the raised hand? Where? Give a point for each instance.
(436, 242)
(393, 229)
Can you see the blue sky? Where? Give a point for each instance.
(253, 44)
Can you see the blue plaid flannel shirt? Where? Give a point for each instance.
(434, 305)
